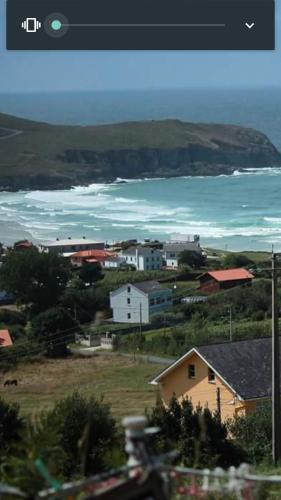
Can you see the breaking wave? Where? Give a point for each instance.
(241, 214)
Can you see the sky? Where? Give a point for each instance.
(68, 71)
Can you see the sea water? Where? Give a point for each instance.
(242, 211)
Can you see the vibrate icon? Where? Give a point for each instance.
(31, 25)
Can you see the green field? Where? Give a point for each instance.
(122, 383)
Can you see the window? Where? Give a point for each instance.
(211, 375)
(152, 302)
(129, 316)
(128, 301)
(158, 300)
(129, 289)
(191, 371)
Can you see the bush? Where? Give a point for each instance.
(197, 433)
(253, 433)
(8, 317)
(75, 438)
(233, 260)
(11, 424)
(87, 432)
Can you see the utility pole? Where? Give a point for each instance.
(219, 402)
(135, 332)
(276, 405)
(230, 324)
(140, 318)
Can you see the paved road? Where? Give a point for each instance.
(148, 358)
(11, 133)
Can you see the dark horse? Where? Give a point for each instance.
(11, 382)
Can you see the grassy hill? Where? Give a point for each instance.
(41, 155)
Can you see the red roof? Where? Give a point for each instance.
(5, 339)
(92, 254)
(25, 244)
(230, 274)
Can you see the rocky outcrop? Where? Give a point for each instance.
(61, 157)
(192, 160)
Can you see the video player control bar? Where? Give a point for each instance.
(140, 25)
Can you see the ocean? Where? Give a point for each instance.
(238, 212)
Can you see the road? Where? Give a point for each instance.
(11, 133)
(148, 358)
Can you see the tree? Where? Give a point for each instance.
(253, 433)
(73, 439)
(9, 317)
(35, 279)
(233, 260)
(85, 303)
(87, 432)
(198, 434)
(90, 273)
(191, 258)
(54, 329)
(39, 440)
(11, 424)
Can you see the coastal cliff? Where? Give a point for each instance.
(42, 156)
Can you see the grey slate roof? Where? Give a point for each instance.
(149, 286)
(245, 365)
(181, 247)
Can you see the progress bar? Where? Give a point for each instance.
(138, 25)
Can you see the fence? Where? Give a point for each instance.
(150, 477)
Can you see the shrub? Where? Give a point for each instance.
(233, 260)
(197, 433)
(8, 317)
(87, 432)
(253, 433)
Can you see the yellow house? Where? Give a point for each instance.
(231, 378)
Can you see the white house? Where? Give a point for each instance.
(137, 302)
(114, 262)
(172, 249)
(143, 258)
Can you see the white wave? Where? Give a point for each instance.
(257, 171)
(94, 228)
(274, 220)
(134, 181)
(91, 188)
(8, 209)
(43, 225)
(127, 200)
(122, 225)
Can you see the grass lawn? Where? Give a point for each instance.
(122, 382)
(182, 287)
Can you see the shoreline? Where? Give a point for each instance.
(118, 180)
